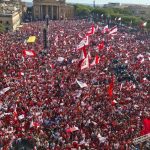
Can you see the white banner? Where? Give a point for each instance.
(142, 139)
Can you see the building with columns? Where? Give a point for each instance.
(55, 9)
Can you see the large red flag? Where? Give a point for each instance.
(85, 63)
(83, 53)
(146, 127)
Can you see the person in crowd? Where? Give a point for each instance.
(43, 102)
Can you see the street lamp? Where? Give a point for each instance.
(45, 29)
(45, 38)
(47, 20)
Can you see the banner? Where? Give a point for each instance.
(141, 139)
(31, 39)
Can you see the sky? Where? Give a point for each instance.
(146, 2)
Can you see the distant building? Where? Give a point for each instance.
(137, 10)
(11, 12)
(111, 5)
(54, 9)
(141, 11)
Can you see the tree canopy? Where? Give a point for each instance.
(127, 15)
(1, 28)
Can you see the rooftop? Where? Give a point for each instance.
(6, 8)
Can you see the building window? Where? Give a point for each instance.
(142, 12)
(7, 22)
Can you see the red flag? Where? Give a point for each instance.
(20, 74)
(101, 45)
(113, 30)
(70, 130)
(114, 102)
(105, 29)
(95, 61)
(91, 31)
(111, 87)
(28, 53)
(146, 128)
(83, 53)
(15, 114)
(85, 63)
(83, 43)
(89, 55)
(34, 124)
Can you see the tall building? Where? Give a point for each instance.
(54, 9)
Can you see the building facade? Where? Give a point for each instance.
(11, 14)
(141, 11)
(111, 5)
(54, 9)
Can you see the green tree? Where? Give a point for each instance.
(2, 28)
(125, 13)
(148, 25)
(82, 10)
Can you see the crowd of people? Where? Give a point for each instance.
(42, 102)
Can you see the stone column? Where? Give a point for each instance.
(49, 11)
(41, 12)
(52, 13)
(58, 12)
(46, 9)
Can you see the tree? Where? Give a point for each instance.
(148, 25)
(126, 14)
(82, 10)
(2, 29)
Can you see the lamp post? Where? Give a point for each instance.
(108, 19)
(47, 21)
(45, 30)
(45, 38)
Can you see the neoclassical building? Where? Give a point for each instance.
(54, 9)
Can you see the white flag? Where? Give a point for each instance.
(81, 84)
(21, 117)
(119, 19)
(85, 63)
(3, 91)
(60, 59)
(144, 24)
(113, 30)
(84, 42)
